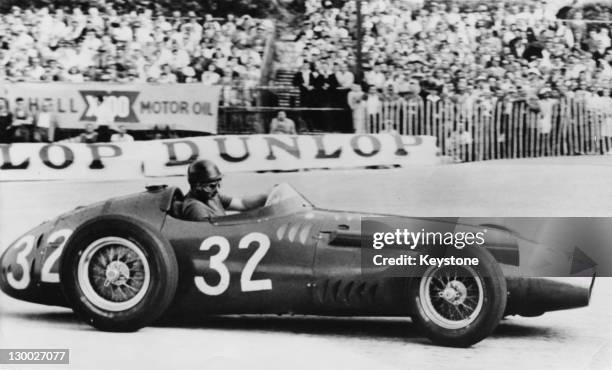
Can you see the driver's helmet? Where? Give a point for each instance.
(203, 171)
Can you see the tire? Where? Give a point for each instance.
(458, 306)
(118, 274)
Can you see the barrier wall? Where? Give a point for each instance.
(107, 161)
(137, 106)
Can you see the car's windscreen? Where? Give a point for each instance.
(285, 193)
(282, 200)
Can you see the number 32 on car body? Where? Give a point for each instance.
(26, 245)
(217, 263)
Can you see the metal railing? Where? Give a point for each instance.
(501, 129)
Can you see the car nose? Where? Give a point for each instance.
(16, 264)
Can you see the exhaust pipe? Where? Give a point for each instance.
(532, 296)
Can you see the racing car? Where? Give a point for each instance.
(123, 263)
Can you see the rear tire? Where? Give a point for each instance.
(458, 306)
(118, 274)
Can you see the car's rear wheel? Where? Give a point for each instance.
(118, 274)
(459, 306)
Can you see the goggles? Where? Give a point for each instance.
(208, 186)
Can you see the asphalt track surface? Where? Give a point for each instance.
(573, 339)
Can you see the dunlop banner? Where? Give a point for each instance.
(137, 106)
(104, 161)
(284, 152)
(71, 161)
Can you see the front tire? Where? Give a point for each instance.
(118, 274)
(458, 306)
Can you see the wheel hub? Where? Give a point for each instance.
(454, 292)
(117, 273)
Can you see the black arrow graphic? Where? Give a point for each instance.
(581, 262)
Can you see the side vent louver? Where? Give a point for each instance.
(345, 292)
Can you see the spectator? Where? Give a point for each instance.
(301, 80)
(74, 75)
(282, 125)
(373, 103)
(105, 118)
(330, 84)
(357, 102)
(22, 122)
(121, 135)
(375, 77)
(46, 126)
(344, 77)
(210, 77)
(317, 84)
(6, 122)
(90, 135)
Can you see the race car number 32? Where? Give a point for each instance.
(25, 246)
(217, 263)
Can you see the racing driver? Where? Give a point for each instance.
(204, 199)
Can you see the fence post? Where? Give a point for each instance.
(567, 111)
(535, 130)
(495, 132)
(481, 133)
(449, 122)
(581, 128)
(607, 131)
(404, 110)
(522, 126)
(558, 127)
(593, 120)
(475, 116)
(574, 121)
(428, 110)
(411, 117)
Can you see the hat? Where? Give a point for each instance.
(545, 90)
(533, 71)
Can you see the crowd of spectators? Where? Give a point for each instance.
(103, 42)
(462, 52)
(97, 43)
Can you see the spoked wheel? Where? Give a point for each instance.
(113, 273)
(118, 274)
(460, 305)
(452, 296)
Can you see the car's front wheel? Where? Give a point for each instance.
(459, 306)
(118, 274)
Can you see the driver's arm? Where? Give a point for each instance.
(248, 202)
